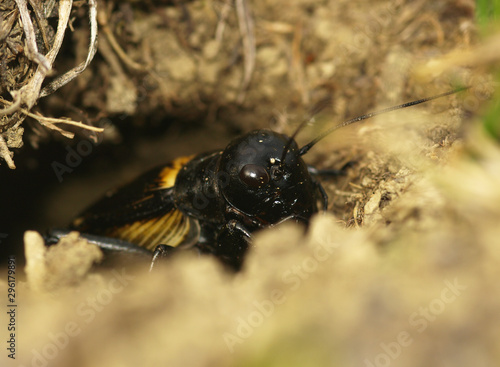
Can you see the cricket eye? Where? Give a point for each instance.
(254, 175)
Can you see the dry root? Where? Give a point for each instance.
(25, 65)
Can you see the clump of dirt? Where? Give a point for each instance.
(209, 61)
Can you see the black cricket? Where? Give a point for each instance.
(213, 202)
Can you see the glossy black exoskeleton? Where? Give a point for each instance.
(212, 202)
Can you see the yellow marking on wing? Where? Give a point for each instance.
(167, 176)
(172, 229)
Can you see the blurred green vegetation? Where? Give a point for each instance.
(487, 13)
(488, 20)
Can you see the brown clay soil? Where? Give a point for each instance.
(401, 271)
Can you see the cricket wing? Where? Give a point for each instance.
(143, 212)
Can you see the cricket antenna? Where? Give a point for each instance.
(321, 105)
(308, 146)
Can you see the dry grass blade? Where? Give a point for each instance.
(297, 70)
(50, 121)
(221, 25)
(54, 120)
(42, 22)
(29, 32)
(30, 92)
(25, 97)
(103, 21)
(73, 73)
(245, 22)
(13, 107)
